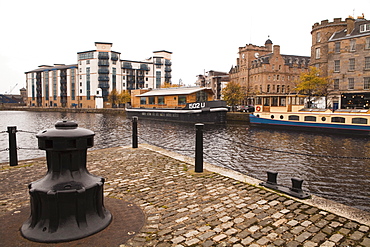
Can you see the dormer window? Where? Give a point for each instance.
(365, 28)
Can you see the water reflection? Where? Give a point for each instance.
(232, 145)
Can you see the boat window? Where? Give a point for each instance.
(274, 101)
(294, 117)
(272, 116)
(201, 96)
(182, 100)
(282, 101)
(281, 116)
(359, 120)
(338, 120)
(151, 100)
(323, 119)
(142, 100)
(266, 101)
(258, 101)
(160, 100)
(310, 118)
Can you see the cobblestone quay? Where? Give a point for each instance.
(218, 207)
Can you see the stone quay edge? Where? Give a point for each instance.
(219, 207)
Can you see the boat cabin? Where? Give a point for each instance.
(170, 98)
(279, 103)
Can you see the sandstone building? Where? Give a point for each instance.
(88, 83)
(262, 70)
(341, 49)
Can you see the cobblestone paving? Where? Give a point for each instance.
(187, 209)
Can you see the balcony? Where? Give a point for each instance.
(144, 67)
(114, 57)
(103, 71)
(103, 85)
(103, 55)
(103, 78)
(126, 65)
(167, 69)
(103, 63)
(167, 75)
(168, 62)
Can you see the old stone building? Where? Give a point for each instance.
(264, 70)
(341, 49)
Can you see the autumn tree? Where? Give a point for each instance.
(312, 84)
(233, 94)
(124, 97)
(113, 97)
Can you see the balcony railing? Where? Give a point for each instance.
(167, 69)
(144, 67)
(126, 65)
(167, 75)
(103, 78)
(114, 57)
(168, 62)
(103, 63)
(104, 85)
(103, 71)
(103, 55)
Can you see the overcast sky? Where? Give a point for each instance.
(202, 35)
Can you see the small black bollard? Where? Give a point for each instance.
(295, 190)
(67, 203)
(13, 157)
(199, 147)
(134, 132)
(297, 185)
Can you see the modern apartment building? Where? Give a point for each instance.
(262, 70)
(216, 80)
(88, 83)
(341, 49)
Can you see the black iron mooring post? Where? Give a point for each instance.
(13, 157)
(199, 147)
(134, 132)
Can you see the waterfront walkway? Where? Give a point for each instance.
(218, 207)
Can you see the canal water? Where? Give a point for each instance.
(333, 167)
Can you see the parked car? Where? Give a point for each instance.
(245, 108)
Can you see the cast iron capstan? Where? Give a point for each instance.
(66, 204)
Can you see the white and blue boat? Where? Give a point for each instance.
(288, 112)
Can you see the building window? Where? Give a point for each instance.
(87, 61)
(318, 37)
(337, 47)
(336, 84)
(367, 43)
(351, 64)
(351, 83)
(317, 52)
(278, 88)
(365, 27)
(142, 100)
(366, 82)
(88, 83)
(336, 65)
(157, 79)
(367, 62)
(268, 88)
(283, 88)
(353, 45)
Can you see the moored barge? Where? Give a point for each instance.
(184, 104)
(288, 112)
